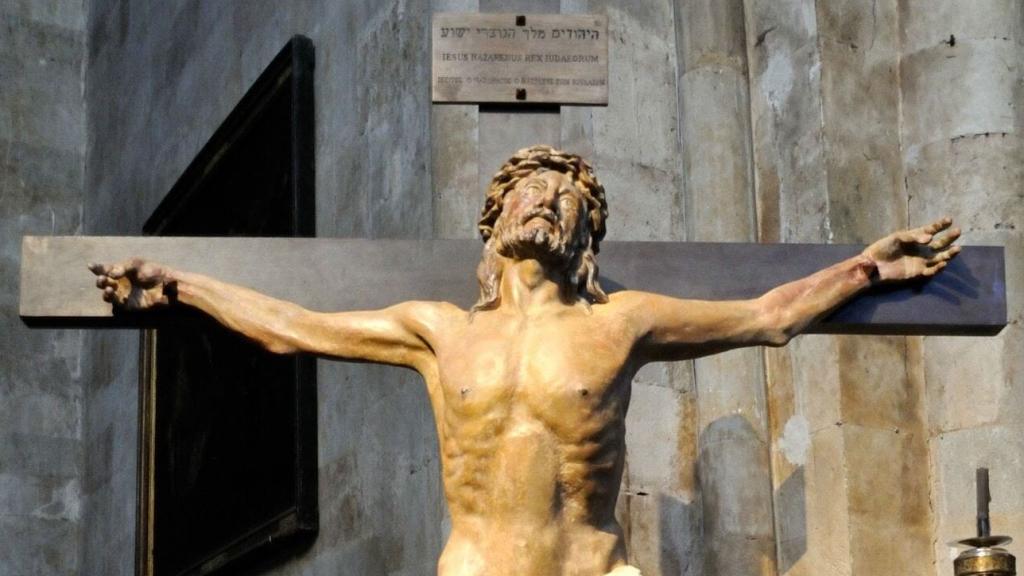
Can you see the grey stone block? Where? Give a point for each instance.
(26, 454)
(36, 546)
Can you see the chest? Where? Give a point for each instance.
(553, 369)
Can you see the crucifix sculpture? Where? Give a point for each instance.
(530, 386)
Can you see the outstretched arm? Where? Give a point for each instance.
(676, 329)
(399, 335)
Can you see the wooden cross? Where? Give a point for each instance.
(968, 298)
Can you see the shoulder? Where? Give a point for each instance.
(624, 306)
(631, 301)
(428, 315)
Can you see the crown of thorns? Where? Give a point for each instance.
(528, 161)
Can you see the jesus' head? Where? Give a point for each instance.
(543, 204)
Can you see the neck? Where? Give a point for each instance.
(528, 284)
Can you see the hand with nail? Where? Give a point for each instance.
(915, 253)
(134, 284)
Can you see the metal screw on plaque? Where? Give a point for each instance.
(985, 557)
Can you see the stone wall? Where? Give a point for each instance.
(42, 145)
(767, 120)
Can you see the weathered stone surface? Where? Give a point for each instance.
(735, 496)
(967, 89)
(42, 146)
(828, 533)
(890, 520)
(928, 23)
(711, 35)
(876, 389)
(786, 120)
(961, 78)
(714, 111)
(38, 546)
(658, 507)
(716, 155)
(457, 194)
(860, 63)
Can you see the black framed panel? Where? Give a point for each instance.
(228, 434)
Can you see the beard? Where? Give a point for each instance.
(546, 244)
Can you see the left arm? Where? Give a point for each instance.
(677, 329)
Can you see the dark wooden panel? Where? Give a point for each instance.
(969, 297)
(229, 449)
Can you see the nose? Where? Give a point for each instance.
(549, 195)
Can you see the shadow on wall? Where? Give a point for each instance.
(732, 471)
(680, 542)
(791, 520)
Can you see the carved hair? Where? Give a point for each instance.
(581, 271)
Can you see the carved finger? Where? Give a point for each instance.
(98, 269)
(945, 239)
(149, 273)
(933, 270)
(108, 295)
(938, 225)
(944, 256)
(116, 271)
(913, 237)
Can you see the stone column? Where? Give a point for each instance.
(962, 74)
(714, 108)
(880, 380)
(791, 180)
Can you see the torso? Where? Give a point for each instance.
(530, 415)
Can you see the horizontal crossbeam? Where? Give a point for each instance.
(968, 298)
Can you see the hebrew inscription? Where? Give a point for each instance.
(515, 58)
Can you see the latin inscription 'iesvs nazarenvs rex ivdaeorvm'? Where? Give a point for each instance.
(538, 58)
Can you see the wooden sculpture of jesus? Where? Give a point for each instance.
(530, 387)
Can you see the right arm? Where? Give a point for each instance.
(399, 335)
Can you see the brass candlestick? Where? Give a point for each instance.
(985, 557)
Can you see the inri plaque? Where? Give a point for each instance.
(515, 58)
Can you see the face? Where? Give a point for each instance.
(541, 218)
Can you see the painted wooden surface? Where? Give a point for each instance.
(346, 274)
